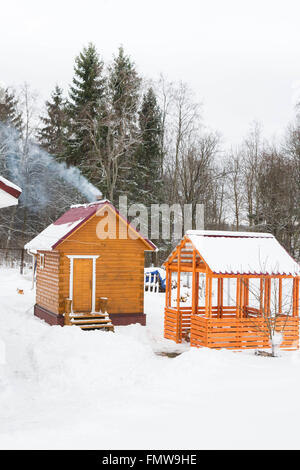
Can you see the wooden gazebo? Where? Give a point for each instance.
(251, 287)
(88, 261)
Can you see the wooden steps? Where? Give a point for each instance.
(91, 321)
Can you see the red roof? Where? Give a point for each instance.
(70, 221)
(10, 188)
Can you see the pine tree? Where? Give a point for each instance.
(147, 171)
(86, 93)
(53, 135)
(9, 113)
(124, 85)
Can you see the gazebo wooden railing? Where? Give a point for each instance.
(238, 326)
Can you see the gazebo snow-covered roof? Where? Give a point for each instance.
(242, 253)
(69, 222)
(9, 193)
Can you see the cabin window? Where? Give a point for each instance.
(42, 261)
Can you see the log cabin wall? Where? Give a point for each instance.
(47, 281)
(119, 268)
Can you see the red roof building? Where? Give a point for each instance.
(90, 253)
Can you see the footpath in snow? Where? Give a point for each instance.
(66, 388)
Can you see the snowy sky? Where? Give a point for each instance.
(241, 57)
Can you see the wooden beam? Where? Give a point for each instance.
(197, 292)
(208, 294)
(246, 295)
(178, 332)
(251, 276)
(296, 297)
(186, 268)
(220, 297)
(167, 287)
(242, 296)
(194, 285)
(261, 293)
(280, 296)
(267, 297)
(238, 294)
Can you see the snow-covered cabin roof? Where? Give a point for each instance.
(70, 221)
(9, 193)
(243, 253)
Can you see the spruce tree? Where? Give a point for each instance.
(147, 170)
(86, 95)
(123, 95)
(53, 135)
(124, 85)
(9, 113)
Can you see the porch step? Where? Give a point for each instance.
(87, 315)
(89, 321)
(92, 322)
(96, 326)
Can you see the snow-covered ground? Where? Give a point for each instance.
(65, 388)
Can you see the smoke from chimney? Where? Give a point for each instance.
(22, 163)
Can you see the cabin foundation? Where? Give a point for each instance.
(49, 317)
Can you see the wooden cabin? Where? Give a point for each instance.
(77, 268)
(245, 287)
(9, 193)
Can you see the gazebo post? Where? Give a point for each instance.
(296, 297)
(194, 286)
(238, 296)
(170, 288)
(246, 296)
(197, 292)
(220, 297)
(265, 296)
(261, 294)
(208, 285)
(210, 296)
(280, 296)
(167, 287)
(267, 299)
(242, 296)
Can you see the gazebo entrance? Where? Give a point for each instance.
(228, 306)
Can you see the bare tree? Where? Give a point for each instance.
(291, 150)
(252, 154)
(111, 141)
(196, 174)
(235, 185)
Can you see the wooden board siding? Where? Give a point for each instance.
(119, 268)
(47, 281)
(82, 285)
